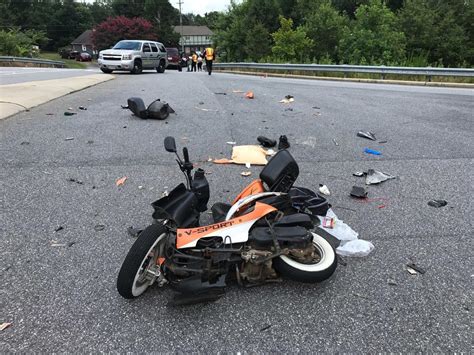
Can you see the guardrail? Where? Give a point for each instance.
(346, 69)
(54, 63)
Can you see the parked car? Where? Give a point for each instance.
(134, 56)
(84, 57)
(73, 54)
(174, 59)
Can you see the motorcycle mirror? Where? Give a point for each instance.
(170, 145)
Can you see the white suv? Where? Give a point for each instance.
(134, 56)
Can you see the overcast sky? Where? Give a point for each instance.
(201, 6)
(198, 6)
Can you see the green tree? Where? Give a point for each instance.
(374, 39)
(15, 42)
(128, 8)
(291, 45)
(163, 16)
(326, 26)
(258, 43)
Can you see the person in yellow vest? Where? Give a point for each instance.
(194, 61)
(210, 55)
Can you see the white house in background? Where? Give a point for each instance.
(194, 38)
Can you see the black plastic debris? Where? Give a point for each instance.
(382, 142)
(368, 135)
(99, 227)
(265, 327)
(437, 203)
(317, 108)
(266, 142)
(25, 143)
(70, 244)
(376, 177)
(289, 97)
(288, 109)
(391, 282)
(76, 181)
(82, 108)
(90, 142)
(158, 109)
(220, 93)
(58, 228)
(134, 232)
(416, 268)
(283, 143)
(67, 113)
(359, 191)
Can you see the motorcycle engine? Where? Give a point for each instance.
(254, 271)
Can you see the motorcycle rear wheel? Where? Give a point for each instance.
(139, 269)
(291, 268)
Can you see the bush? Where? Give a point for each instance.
(17, 43)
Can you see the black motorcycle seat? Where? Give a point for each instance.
(219, 211)
(297, 219)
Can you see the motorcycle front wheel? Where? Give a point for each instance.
(320, 266)
(140, 268)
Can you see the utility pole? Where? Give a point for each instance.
(180, 2)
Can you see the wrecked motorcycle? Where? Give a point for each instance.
(266, 233)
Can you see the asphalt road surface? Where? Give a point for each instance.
(14, 75)
(64, 298)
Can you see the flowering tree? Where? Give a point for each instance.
(114, 29)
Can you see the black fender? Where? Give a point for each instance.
(180, 206)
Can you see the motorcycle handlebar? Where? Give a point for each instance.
(186, 155)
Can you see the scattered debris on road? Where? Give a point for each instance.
(368, 135)
(231, 143)
(358, 174)
(69, 138)
(382, 142)
(246, 173)
(82, 108)
(249, 95)
(324, 190)
(238, 91)
(70, 244)
(99, 227)
(243, 154)
(392, 282)
(25, 143)
(283, 143)
(158, 109)
(90, 142)
(67, 113)
(372, 151)
(266, 142)
(414, 269)
(79, 182)
(437, 203)
(335, 142)
(358, 191)
(58, 228)
(328, 222)
(355, 248)
(58, 245)
(265, 327)
(287, 100)
(376, 177)
(220, 93)
(5, 325)
(121, 181)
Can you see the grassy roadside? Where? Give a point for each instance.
(70, 63)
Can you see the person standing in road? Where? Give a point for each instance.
(210, 55)
(194, 61)
(200, 63)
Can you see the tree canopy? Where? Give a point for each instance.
(399, 32)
